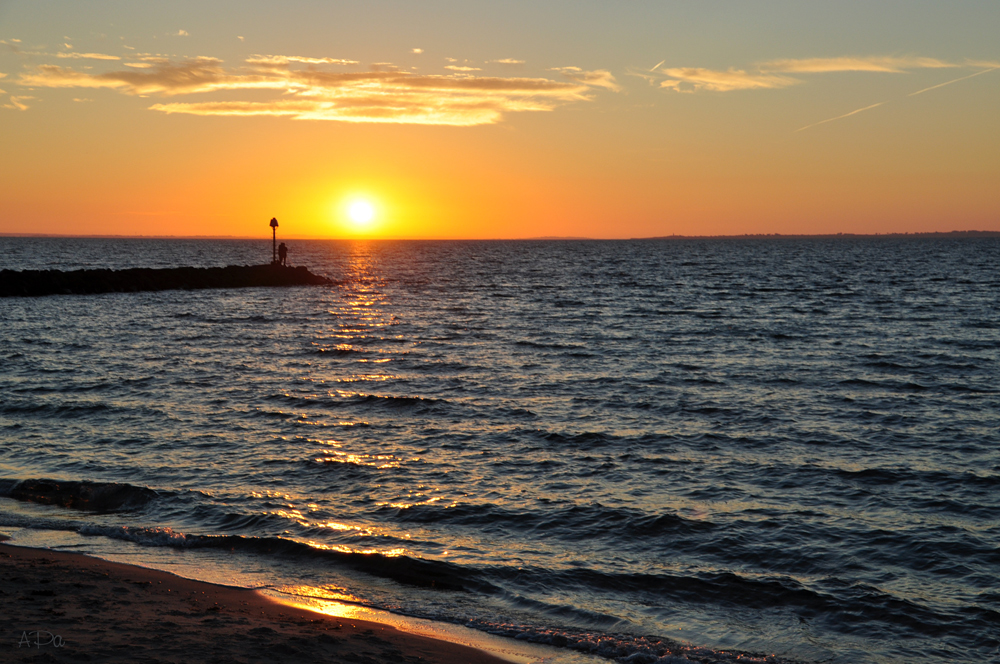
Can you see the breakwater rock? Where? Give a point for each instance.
(29, 283)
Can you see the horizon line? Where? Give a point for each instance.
(544, 238)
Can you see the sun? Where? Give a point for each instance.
(361, 212)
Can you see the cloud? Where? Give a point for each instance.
(459, 115)
(313, 93)
(506, 61)
(88, 56)
(460, 68)
(774, 74)
(282, 60)
(167, 78)
(418, 51)
(240, 37)
(692, 79)
(81, 99)
(599, 78)
(17, 103)
(183, 33)
(887, 64)
(3, 75)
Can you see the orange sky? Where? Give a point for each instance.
(465, 120)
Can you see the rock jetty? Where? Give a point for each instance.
(30, 283)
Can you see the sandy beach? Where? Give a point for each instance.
(66, 607)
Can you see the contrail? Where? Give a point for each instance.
(941, 85)
(657, 66)
(845, 115)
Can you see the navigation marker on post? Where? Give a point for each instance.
(274, 240)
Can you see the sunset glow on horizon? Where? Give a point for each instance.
(525, 120)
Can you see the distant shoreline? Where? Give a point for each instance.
(547, 238)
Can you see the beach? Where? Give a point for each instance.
(66, 607)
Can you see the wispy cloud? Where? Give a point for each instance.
(166, 78)
(88, 56)
(17, 103)
(381, 94)
(417, 51)
(371, 110)
(775, 74)
(693, 79)
(183, 33)
(598, 78)
(461, 68)
(885, 64)
(506, 61)
(282, 60)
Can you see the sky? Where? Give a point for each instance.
(506, 119)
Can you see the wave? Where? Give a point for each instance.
(84, 496)
(883, 476)
(574, 523)
(621, 647)
(72, 409)
(551, 346)
(403, 569)
(339, 352)
(843, 608)
(375, 400)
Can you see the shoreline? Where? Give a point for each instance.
(114, 612)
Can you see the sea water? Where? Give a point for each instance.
(778, 446)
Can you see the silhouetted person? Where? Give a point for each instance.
(282, 253)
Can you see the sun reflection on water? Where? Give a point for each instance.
(343, 548)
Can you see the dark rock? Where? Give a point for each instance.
(30, 283)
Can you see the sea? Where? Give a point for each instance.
(678, 450)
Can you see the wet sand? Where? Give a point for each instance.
(67, 607)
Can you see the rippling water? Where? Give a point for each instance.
(776, 446)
